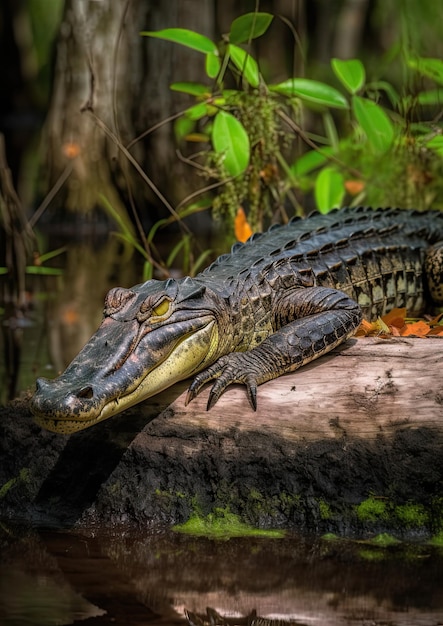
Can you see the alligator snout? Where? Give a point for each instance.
(52, 398)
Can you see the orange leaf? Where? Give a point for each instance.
(396, 317)
(241, 226)
(434, 321)
(364, 329)
(436, 331)
(354, 187)
(419, 328)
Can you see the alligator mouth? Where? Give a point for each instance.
(83, 396)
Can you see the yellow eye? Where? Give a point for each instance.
(161, 308)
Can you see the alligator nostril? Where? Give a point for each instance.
(86, 393)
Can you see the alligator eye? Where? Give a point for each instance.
(161, 308)
(148, 310)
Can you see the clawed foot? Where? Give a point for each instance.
(232, 368)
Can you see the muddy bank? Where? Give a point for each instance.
(351, 444)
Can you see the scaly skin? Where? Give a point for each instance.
(279, 301)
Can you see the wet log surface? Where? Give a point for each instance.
(350, 444)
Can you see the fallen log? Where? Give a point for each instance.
(350, 444)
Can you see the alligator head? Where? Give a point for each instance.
(150, 337)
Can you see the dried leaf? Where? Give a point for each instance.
(364, 329)
(396, 317)
(241, 226)
(420, 329)
(354, 187)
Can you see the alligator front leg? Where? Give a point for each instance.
(308, 323)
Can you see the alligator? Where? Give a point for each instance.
(273, 304)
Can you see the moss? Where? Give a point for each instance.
(411, 515)
(437, 540)
(384, 540)
(372, 510)
(330, 537)
(325, 510)
(23, 477)
(221, 524)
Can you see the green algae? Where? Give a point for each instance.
(221, 524)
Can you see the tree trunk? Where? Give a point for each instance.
(104, 68)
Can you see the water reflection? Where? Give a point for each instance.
(49, 577)
(65, 310)
(75, 310)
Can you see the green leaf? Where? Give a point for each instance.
(182, 127)
(230, 138)
(195, 207)
(43, 270)
(311, 91)
(310, 161)
(382, 85)
(197, 111)
(148, 271)
(185, 37)
(432, 97)
(329, 189)
(245, 64)
(46, 256)
(193, 89)
(249, 26)
(432, 68)
(213, 65)
(436, 144)
(375, 124)
(351, 73)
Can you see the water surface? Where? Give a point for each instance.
(161, 577)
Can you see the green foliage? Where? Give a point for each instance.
(230, 138)
(182, 249)
(363, 143)
(249, 26)
(311, 92)
(329, 189)
(351, 74)
(375, 124)
(187, 38)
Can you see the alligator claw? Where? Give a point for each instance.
(226, 372)
(190, 395)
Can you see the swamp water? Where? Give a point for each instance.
(127, 578)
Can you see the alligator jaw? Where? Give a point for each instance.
(69, 403)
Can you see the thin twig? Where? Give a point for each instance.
(139, 169)
(51, 194)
